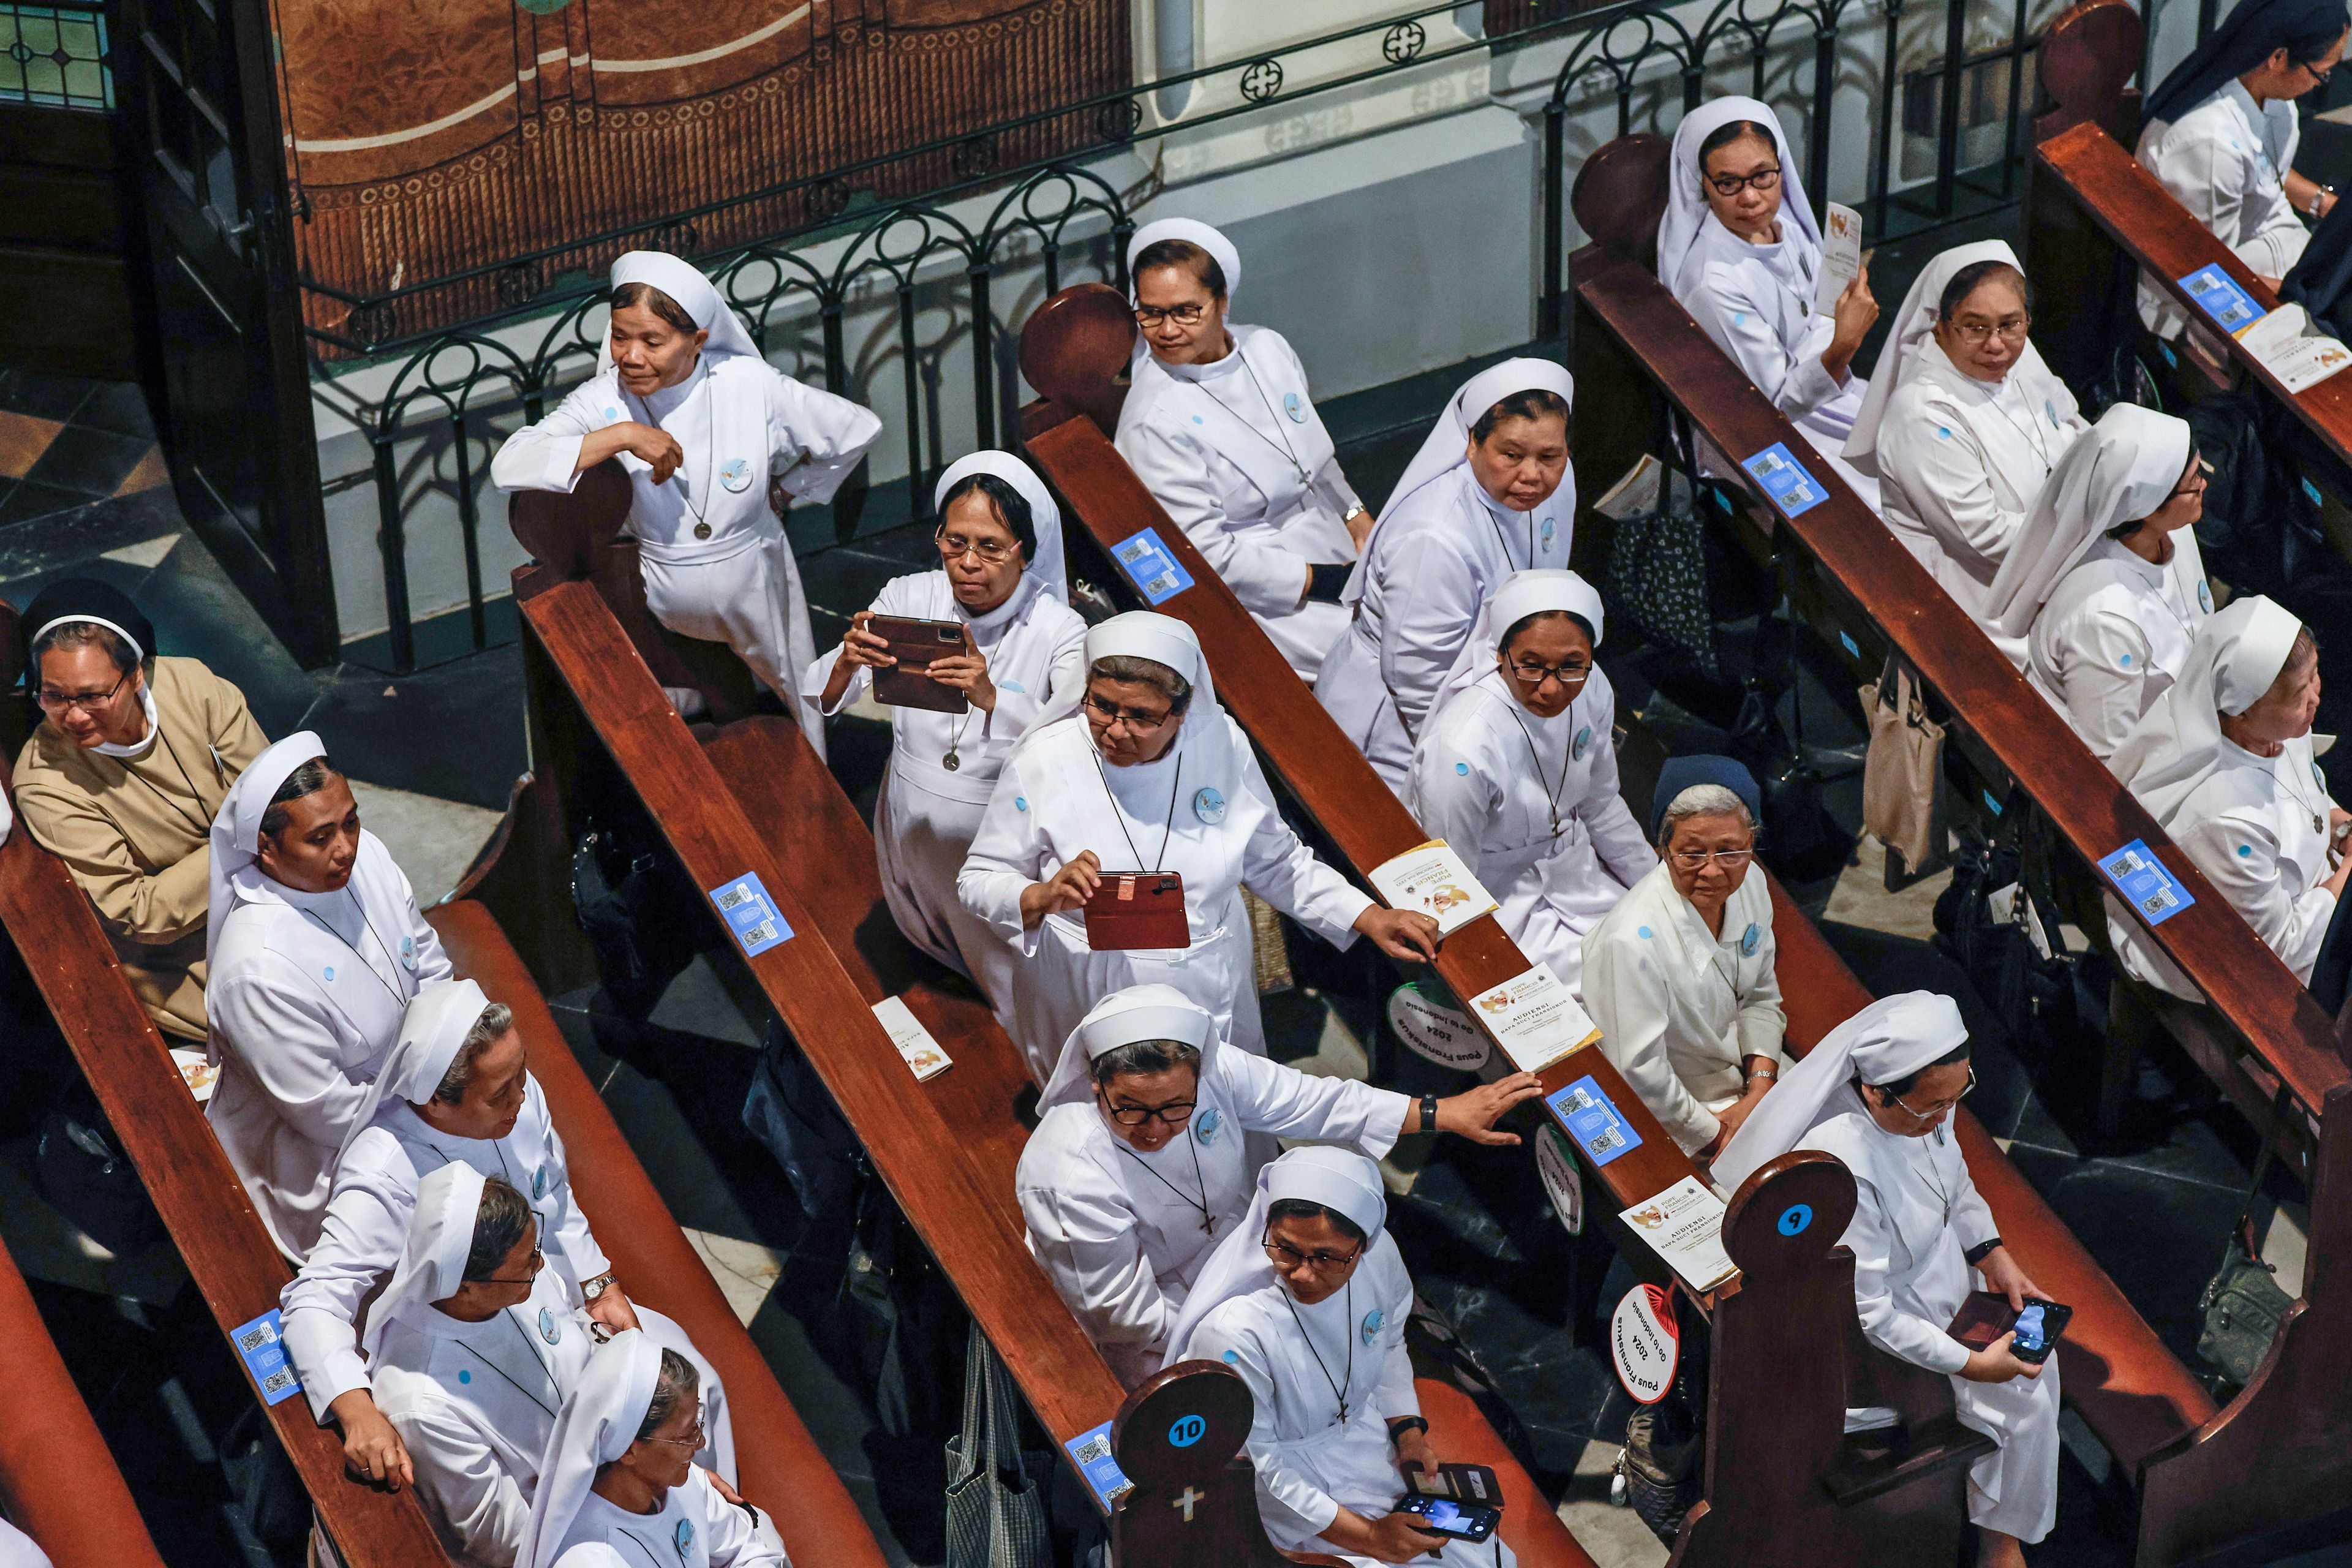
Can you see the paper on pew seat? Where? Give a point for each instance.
(1684, 1224)
(1535, 1018)
(2286, 343)
(924, 1056)
(1637, 493)
(1431, 880)
(1841, 255)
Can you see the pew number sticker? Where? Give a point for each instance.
(751, 915)
(2218, 295)
(1090, 1451)
(2142, 879)
(1151, 567)
(263, 1347)
(1591, 1119)
(1785, 479)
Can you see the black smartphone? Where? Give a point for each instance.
(1464, 1522)
(2038, 1328)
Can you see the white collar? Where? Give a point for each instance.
(666, 401)
(1215, 369)
(146, 742)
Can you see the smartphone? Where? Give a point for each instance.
(1462, 1521)
(914, 643)
(2038, 1328)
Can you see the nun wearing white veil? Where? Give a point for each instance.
(1138, 1168)
(1306, 1299)
(306, 984)
(1001, 574)
(617, 1471)
(1517, 768)
(702, 424)
(1879, 1092)
(2104, 587)
(1143, 772)
(1490, 493)
(1222, 429)
(2224, 760)
(1964, 421)
(1738, 244)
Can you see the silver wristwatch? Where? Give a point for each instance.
(592, 1288)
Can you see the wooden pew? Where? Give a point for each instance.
(2263, 1030)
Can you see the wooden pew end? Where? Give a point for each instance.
(1075, 350)
(1620, 194)
(566, 531)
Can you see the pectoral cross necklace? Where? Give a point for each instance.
(1208, 1220)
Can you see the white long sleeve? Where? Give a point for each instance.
(1007, 854)
(2238, 852)
(1790, 373)
(1280, 867)
(1268, 579)
(482, 1511)
(1268, 1097)
(1626, 992)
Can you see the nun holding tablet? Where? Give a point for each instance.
(703, 423)
(1221, 428)
(1000, 578)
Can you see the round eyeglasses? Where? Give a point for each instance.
(1760, 182)
(1328, 1264)
(1186, 315)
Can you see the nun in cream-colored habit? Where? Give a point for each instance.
(1490, 493)
(1030, 646)
(2225, 762)
(1222, 429)
(701, 422)
(2104, 584)
(1879, 1092)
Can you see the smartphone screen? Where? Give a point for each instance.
(2030, 1329)
(1449, 1518)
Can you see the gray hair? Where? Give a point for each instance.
(1143, 1057)
(677, 1384)
(1703, 800)
(495, 1020)
(1129, 668)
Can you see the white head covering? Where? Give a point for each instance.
(596, 1427)
(236, 830)
(2123, 468)
(1150, 1012)
(439, 1017)
(1686, 209)
(1192, 232)
(1908, 337)
(1147, 634)
(683, 281)
(1446, 447)
(1521, 594)
(2177, 744)
(440, 1236)
(1337, 1178)
(1046, 518)
(1892, 1036)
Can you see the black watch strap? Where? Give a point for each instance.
(1398, 1427)
(1981, 1251)
(1429, 1113)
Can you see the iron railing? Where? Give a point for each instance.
(438, 399)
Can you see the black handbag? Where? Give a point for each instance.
(630, 901)
(2242, 1306)
(80, 1172)
(1657, 576)
(2033, 993)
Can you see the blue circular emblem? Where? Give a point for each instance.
(1296, 406)
(1020, 802)
(2205, 598)
(1644, 932)
(1546, 532)
(464, 1378)
(330, 972)
(1748, 938)
(548, 1328)
(1583, 740)
(1206, 1128)
(735, 475)
(1188, 1430)
(539, 1184)
(408, 952)
(1208, 806)
(1372, 1321)
(2123, 659)
(1198, 420)
(685, 1537)
(1233, 1358)
(2246, 851)
(1462, 770)
(2318, 778)
(1795, 1219)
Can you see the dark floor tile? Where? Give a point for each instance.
(2158, 1239)
(31, 500)
(198, 613)
(48, 543)
(400, 733)
(120, 406)
(91, 461)
(42, 396)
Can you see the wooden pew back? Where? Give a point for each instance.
(2088, 56)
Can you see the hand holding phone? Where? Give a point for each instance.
(2037, 1329)
(1454, 1520)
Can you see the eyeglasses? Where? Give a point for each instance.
(1569, 675)
(1112, 713)
(1934, 1110)
(955, 547)
(1175, 1113)
(2318, 77)
(692, 1441)
(1761, 181)
(1285, 1256)
(52, 700)
(1696, 859)
(1182, 315)
(1975, 332)
(2198, 468)
(538, 1261)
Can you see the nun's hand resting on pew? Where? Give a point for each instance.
(1065, 889)
(373, 1451)
(1473, 1114)
(1403, 934)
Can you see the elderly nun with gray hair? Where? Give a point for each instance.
(1679, 975)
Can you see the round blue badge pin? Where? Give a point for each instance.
(539, 1184)
(1372, 1321)
(1545, 533)
(735, 475)
(1296, 406)
(1208, 806)
(549, 1330)
(2204, 598)
(1462, 770)
(1643, 931)
(1583, 740)
(1231, 1358)
(1748, 938)
(1207, 1126)
(464, 1376)
(329, 971)
(1020, 802)
(408, 952)
(685, 1537)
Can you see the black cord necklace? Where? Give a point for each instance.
(1536, 758)
(1338, 1389)
(1208, 1220)
(1166, 829)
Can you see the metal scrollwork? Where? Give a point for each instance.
(1263, 80)
(1404, 42)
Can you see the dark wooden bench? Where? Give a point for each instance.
(2262, 1029)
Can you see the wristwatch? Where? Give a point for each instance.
(1981, 1251)
(1402, 1423)
(592, 1288)
(1429, 1113)
(1357, 509)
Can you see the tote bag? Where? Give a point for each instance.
(1899, 774)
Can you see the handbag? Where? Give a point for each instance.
(1657, 575)
(1902, 773)
(2243, 1307)
(626, 899)
(996, 1517)
(80, 1172)
(2015, 956)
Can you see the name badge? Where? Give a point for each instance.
(1296, 406)
(735, 475)
(1748, 940)
(1583, 740)
(1208, 806)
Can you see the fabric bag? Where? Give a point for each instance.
(788, 1109)
(626, 897)
(2242, 1306)
(1904, 770)
(996, 1517)
(1657, 575)
(81, 1172)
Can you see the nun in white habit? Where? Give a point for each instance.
(616, 1472)
(1311, 1310)
(1490, 493)
(2104, 585)
(1138, 1168)
(1516, 769)
(1005, 584)
(1149, 774)
(703, 423)
(1964, 422)
(314, 948)
(1920, 1230)
(1221, 428)
(2224, 761)
(499, 1126)
(1745, 261)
